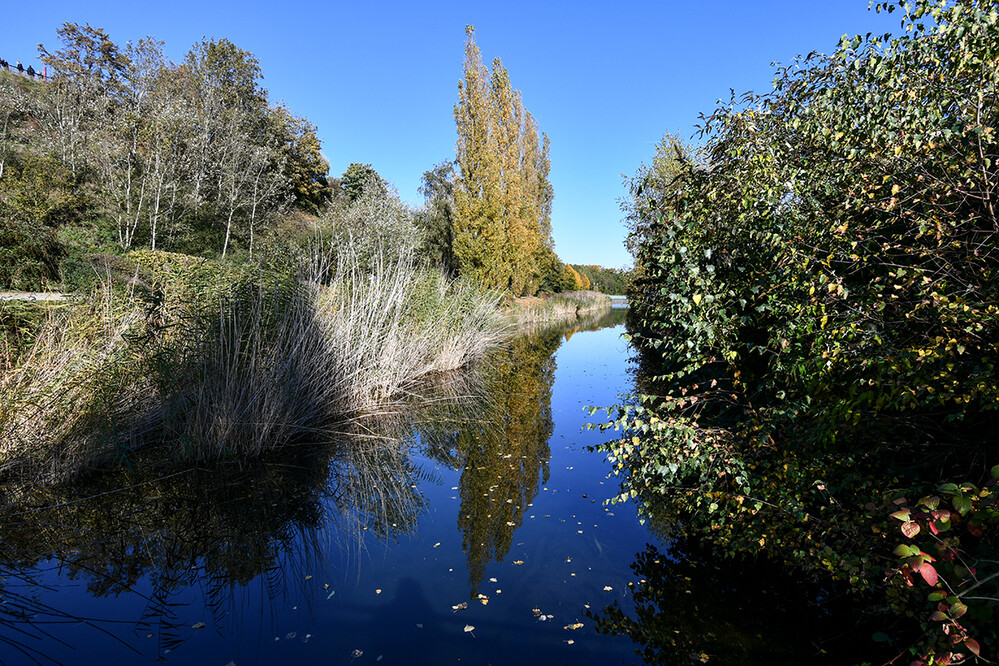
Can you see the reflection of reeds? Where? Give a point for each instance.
(270, 524)
(244, 367)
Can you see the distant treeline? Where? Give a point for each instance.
(604, 280)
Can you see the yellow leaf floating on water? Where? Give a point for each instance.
(574, 626)
(518, 562)
(378, 591)
(607, 588)
(570, 642)
(469, 628)
(437, 544)
(462, 606)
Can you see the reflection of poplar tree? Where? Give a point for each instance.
(507, 456)
(503, 197)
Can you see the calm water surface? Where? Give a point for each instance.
(471, 532)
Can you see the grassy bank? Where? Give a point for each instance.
(206, 361)
(563, 307)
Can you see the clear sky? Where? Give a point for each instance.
(379, 78)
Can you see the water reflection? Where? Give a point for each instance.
(688, 606)
(141, 541)
(215, 529)
(506, 456)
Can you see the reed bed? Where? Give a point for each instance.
(563, 307)
(242, 366)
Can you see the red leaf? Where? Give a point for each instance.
(910, 528)
(929, 574)
(973, 645)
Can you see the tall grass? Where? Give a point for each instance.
(243, 366)
(75, 399)
(563, 307)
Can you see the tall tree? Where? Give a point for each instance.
(479, 235)
(502, 195)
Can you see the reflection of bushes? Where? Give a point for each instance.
(694, 608)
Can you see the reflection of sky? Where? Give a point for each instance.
(571, 547)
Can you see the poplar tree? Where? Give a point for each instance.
(479, 235)
(502, 224)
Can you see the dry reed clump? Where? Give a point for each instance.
(565, 306)
(72, 401)
(390, 327)
(238, 367)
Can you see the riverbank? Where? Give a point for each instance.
(558, 308)
(208, 360)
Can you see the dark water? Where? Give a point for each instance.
(468, 531)
(355, 551)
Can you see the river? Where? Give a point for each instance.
(456, 533)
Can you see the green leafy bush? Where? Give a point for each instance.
(816, 302)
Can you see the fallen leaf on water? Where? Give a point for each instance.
(437, 544)
(199, 625)
(510, 523)
(607, 588)
(378, 591)
(330, 595)
(469, 628)
(290, 635)
(570, 641)
(462, 606)
(356, 653)
(574, 626)
(568, 559)
(518, 562)
(309, 577)
(492, 580)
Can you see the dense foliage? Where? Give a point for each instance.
(503, 198)
(817, 305)
(124, 149)
(605, 280)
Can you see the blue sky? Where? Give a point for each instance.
(379, 78)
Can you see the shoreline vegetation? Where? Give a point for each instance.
(203, 360)
(555, 308)
(816, 308)
(208, 361)
(233, 296)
